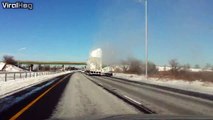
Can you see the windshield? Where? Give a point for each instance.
(99, 59)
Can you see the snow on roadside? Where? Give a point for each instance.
(2, 64)
(195, 86)
(10, 68)
(12, 86)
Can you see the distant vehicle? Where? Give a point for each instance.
(108, 74)
(98, 73)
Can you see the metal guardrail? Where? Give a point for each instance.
(5, 76)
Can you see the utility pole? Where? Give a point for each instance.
(146, 38)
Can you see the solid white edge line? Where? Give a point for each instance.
(100, 84)
(132, 99)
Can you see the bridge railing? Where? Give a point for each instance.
(6, 76)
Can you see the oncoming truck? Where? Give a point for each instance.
(94, 64)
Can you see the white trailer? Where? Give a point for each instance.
(94, 63)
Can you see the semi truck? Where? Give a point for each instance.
(94, 64)
(94, 68)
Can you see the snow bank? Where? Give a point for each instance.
(12, 86)
(195, 86)
(2, 64)
(12, 68)
(9, 68)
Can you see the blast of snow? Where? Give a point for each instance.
(96, 53)
(95, 60)
(92, 66)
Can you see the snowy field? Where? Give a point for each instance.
(195, 86)
(12, 86)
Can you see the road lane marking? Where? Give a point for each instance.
(100, 84)
(132, 100)
(14, 117)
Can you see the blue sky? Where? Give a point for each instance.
(69, 29)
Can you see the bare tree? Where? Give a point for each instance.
(40, 67)
(207, 66)
(132, 65)
(135, 66)
(152, 68)
(197, 66)
(175, 66)
(46, 68)
(9, 60)
(54, 68)
(186, 67)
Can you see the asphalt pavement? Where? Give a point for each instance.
(78, 96)
(159, 100)
(83, 99)
(70, 96)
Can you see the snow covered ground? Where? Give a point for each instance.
(195, 86)
(10, 68)
(2, 64)
(12, 86)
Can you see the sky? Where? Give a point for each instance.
(67, 30)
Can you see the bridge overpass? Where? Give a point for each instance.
(50, 62)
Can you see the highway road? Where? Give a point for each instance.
(70, 96)
(84, 99)
(159, 100)
(78, 96)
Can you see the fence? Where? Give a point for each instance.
(5, 76)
